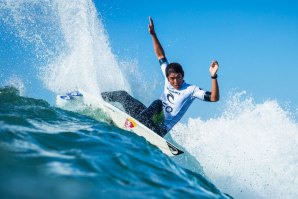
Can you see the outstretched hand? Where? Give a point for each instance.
(213, 68)
(151, 26)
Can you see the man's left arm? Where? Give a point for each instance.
(214, 84)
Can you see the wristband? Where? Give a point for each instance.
(214, 77)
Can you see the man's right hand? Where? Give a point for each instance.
(151, 26)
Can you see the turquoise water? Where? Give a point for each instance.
(248, 149)
(47, 152)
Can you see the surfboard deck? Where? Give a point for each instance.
(122, 120)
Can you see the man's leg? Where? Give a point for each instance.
(154, 109)
(153, 118)
(131, 105)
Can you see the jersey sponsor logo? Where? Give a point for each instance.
(173, 91)
(170, 96)
(167, 108)
(170, 99)
(129, 123)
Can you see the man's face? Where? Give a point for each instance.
(175, 79)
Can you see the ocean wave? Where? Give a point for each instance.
(45, 149)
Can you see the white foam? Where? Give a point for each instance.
(87, 62)
(137, 79)
(17, 83)
(69, 41)
(250, 151)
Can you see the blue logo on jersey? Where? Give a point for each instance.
(170, 96)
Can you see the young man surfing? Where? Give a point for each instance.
(177, 96)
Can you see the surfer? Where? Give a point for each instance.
(177, 96)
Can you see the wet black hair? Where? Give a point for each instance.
(174, 68)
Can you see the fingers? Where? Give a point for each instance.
(151, 26)
(150, 21)
(214, 63)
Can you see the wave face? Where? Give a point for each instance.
(250, 151)
(45, 149)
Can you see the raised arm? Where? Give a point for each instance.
(214, 84)
(156, 44)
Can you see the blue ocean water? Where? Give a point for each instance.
(248, 150)
(47, 152)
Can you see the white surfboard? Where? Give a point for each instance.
(122, 120)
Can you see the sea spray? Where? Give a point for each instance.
(34, 24)
(69, 41)
(87, 62)
(16, 82)
(250, 151)
(140, 88)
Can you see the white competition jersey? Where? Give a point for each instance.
(176, 102)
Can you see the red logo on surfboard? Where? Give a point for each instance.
(129, 123)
